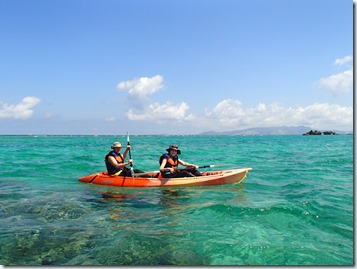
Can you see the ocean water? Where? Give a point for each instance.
(294, 208)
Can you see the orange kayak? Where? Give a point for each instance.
(208, 179)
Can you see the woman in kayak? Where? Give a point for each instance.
(170, 161)
(114, 161)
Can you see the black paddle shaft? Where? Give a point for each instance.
(131, 164)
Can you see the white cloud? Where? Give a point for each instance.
(230, 114)
(344, 60)
(22, 110)
(142, 87)
(142, 110)
(338, 83)
(165, 112)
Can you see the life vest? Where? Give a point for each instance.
(171, 162)
(110, 168)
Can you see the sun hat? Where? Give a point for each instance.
(116, 145)
(175, 147)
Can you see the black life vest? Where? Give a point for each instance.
(110, 168)
(171, 161)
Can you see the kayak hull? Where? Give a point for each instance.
(208, 179)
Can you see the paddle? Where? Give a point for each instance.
(211, 165)
(131, 165)
(202, 166)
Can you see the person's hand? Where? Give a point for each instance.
(128, 147)
(130, 161)
(170, 169)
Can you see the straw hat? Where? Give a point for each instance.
(116, 145)
(175, 147)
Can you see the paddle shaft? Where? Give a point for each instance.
(203, 166)
(131, 164)
(190, 167)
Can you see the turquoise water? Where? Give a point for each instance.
(294, 208)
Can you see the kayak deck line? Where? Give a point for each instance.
(209, 178)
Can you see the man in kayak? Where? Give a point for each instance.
(170, 161)
(114, 161)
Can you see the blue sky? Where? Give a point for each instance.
(174, 67)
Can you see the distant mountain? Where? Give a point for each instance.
(280, 130)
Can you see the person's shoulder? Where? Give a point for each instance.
(164, 156)
(109, 154)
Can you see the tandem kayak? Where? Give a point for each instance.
(152, 180)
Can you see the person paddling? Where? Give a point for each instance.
(114, 161)
(169, 163)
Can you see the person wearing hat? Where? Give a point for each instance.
(170, 161)
(114, 161)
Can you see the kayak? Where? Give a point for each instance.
(153, 179)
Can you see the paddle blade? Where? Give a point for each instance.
(127, 137)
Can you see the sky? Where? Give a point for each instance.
(105, 67)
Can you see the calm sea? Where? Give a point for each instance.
(294, 208)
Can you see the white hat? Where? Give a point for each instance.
(116, 145)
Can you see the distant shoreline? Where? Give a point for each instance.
(115, 135)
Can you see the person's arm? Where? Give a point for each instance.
(126, 151)
(117, 165)
(163, 168)
(188, 164)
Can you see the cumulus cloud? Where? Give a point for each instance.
(338, 83)
(142, 87)
(341, 82)
(22, 110)
(165, 112)
(231, 114)
(138, 91)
